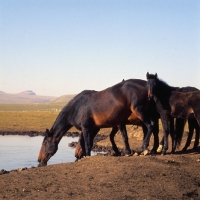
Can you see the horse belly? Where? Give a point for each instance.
(109, 119)
(181, 112)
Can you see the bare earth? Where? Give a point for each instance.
(108, 177)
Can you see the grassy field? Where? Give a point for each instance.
(29, 117)
(33, 117)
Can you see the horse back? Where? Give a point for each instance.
(184, 103)
(115, 104)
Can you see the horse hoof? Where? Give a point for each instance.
(130, 154)
(194, 148)
(145, 152)
(184, 149)
(163, 154)
(116, 154)
(159, 150)
(136, 154)
(153, 152)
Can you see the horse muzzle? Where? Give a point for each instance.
(42, 163)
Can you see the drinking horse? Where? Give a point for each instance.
(170, 105)
(107, 108)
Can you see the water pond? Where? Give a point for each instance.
(22, 151)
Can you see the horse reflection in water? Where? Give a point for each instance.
(89, 111)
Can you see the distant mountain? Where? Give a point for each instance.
(27, 92)
(27, 96)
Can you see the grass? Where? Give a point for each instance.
(29, 117)
(34, 117)
(32, 107)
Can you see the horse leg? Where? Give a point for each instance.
(166, 126)
(156, 138)
(197, 127)
(123, 131)
(193, 124)
(80, 147)
(161, 144)
(190, 134)
(196, 143)
(180, 124)
(145, 119)
(114, 146)
(89, 135)
(172, 134)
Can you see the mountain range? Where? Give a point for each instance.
(27, 96)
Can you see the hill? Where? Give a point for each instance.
(64, 98)
(25, 97)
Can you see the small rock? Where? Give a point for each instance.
(4, 172)
(22, 169)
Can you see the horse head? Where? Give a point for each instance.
(151, 84)
(48, 149)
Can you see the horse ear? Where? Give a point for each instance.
(156, 75)
(147, 75)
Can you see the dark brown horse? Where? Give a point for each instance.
(180, 124)
(107, 108)
(169, 103)
(132, 120)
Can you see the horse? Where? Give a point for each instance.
(168, 100)
(180, 124)
(107, 108)
(132, 120)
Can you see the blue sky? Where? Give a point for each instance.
(58, 47)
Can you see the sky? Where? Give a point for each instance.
(58, 47)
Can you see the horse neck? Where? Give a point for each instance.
(163, 90)
(61, 125)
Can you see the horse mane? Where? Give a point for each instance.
(67, 110)
(163, 85)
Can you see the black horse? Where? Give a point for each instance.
(164, 95)
(107, 108)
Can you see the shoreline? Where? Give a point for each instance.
(35, 133)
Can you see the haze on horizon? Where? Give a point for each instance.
(63, 47)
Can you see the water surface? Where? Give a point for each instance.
(22, 151)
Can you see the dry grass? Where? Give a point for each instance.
(28, 117)
(35, 117)
(26, 120)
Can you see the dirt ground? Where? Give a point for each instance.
(107, 177)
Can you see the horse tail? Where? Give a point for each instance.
(180, 124)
